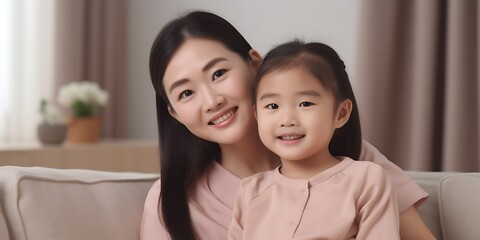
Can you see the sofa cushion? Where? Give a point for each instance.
(42, 203)
(459, 200)
(3, 226)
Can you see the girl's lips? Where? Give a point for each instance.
(223, 117)
(291, 137)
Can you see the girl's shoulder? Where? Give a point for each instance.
(254, 185)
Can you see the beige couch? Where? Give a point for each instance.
(51, 204)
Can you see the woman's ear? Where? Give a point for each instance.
(343, 113)
(256, 58)
(173, 113)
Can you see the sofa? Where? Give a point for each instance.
(51, 204)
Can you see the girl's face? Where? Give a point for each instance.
(297, 115)
(210, 88)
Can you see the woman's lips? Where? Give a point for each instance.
(223, 117)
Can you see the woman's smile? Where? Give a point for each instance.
(221, 121)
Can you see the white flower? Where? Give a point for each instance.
(88, 93)
(52, 115)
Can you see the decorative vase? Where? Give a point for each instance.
(83, 130)
(51, 133)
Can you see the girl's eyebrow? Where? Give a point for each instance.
(268, 95)
(307, 92)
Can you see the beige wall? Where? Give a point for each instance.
(264, 23)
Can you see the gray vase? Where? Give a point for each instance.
(51, 134)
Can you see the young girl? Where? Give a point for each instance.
(307, 114)
(203, 72)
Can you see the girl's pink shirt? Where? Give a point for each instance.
(212, 198)
(353, 199)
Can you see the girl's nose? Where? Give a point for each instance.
(288, 119)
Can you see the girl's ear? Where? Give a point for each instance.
(343, 113)
(256, 58)
(255, 111)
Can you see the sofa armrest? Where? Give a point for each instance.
(43, 203)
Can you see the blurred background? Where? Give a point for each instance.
(413, 64)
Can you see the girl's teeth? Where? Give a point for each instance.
(292, 137)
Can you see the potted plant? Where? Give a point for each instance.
(51, 129)
(83, 99)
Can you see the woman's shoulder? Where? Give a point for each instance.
(371, 154)
(152, 226)
(366, 170)
(153, 195)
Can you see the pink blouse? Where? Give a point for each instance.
(211, 199)
(352, 199)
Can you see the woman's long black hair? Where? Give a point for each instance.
(325, 64)
(184, 156)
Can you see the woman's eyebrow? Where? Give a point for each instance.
(212, 63)
(207, 66)
(177, 83)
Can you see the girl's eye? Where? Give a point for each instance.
(185, 94)
(306, 104)
(271, 106)
(219, 73)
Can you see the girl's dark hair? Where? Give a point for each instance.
(325, 64)
(184, 156)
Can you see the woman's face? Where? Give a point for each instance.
(210, 90)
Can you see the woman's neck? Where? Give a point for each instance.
(248, 156)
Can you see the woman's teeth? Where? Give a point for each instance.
(224, 117)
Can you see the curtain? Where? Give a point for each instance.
(46, 44)
(26, 66)
(418, 82)
(91, 45)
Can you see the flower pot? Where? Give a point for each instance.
(51, 133)
(83, 130)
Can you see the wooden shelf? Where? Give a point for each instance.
(111, 155)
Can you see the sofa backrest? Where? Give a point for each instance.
(3, 226)
(42, 203)
(459, 201)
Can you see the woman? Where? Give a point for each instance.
(203, 72)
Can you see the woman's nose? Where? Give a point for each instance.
(212, 100)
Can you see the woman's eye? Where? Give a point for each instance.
(271, 106)
(185, 94)
(219, 73)
(306, 104)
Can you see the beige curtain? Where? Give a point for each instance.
(418, 82)
(90, 39)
